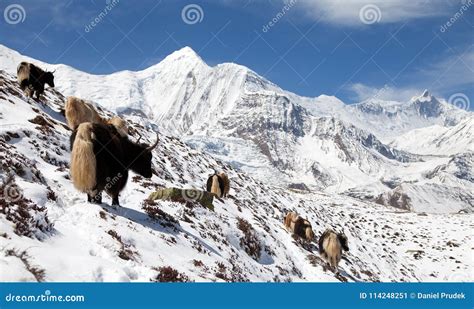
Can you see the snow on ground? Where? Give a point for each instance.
(287, 140)
(50, 233)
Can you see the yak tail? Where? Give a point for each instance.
(23, 75)
(83, 161)
(215, 188)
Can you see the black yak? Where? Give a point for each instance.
(331, 245)
(218, 184)
(101, 158)
(78, 111)
(299, 226)
(32, 79)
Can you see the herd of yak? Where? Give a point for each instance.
(102, 154)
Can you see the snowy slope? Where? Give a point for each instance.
(439, 140)
(277, 136)
(50, 233)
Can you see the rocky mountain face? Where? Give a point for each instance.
(364, 150)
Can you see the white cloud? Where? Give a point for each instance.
(364, 92)
(450, 75)
(348, 12)
(453, 72)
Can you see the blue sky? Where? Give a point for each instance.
(389, 49)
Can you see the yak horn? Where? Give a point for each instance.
(150, 148)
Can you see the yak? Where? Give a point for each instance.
(78, 111)
(331, 245)
(299, 226)
(101, 158)
(218, 184)
(32, 79)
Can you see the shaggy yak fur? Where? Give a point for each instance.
(32, 79)
(101, 158)
(78, 111)
(218, 184)
(226, 181)
(299, 226)
(331, 245)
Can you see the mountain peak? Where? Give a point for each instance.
(426, 96)
(184, 53)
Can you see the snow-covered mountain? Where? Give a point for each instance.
(388, 119)
(439, 140)
(282, 138)
(50, 233)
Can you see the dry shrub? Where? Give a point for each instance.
(249, 242)
(43, 125)
(169, 274)
(37, 272)
(125, 252)
(153, 211)
(28, 218)
(198, 263)
(51, 195)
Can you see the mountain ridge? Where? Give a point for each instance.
(273, 134)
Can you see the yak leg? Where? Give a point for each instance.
(38, 94)
(28, 92)
(115, 199)
(94, 197)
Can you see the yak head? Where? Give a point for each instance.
(343, 240)
(48, 78)
(139, 157)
